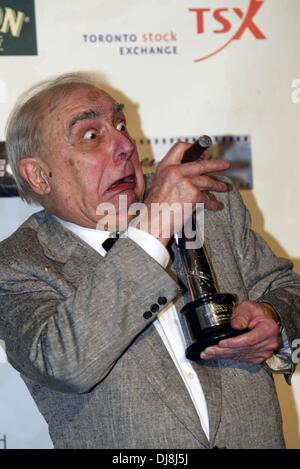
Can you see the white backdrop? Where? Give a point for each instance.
(249, 87)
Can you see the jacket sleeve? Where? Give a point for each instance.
(267, 277)
(70, 342)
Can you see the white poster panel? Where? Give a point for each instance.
(183, 68)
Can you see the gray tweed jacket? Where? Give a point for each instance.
(97, 369)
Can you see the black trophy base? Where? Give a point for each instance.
(209, 337)
(208, 322)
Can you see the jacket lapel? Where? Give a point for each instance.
(58, 242)
(220, 253)
(159, 370)
(63, 246)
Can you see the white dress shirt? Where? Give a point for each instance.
(167, 323)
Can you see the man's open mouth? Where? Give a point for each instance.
(127, 182)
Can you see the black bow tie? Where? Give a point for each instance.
(109, 242)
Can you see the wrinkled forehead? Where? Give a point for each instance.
(79, 98)
(60, 110)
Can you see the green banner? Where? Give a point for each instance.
(17, 27)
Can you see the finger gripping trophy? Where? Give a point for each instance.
(208, 314)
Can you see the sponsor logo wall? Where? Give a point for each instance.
(226, 68)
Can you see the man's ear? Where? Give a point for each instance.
(35, 173)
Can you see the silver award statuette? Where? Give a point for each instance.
(208, 314)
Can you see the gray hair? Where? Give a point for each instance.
(23, 132)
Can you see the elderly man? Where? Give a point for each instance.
(95, 332)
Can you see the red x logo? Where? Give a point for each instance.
(248, 23)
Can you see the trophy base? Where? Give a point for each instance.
(208, 322)
(209, 337)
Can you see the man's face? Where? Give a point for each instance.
(91, 157)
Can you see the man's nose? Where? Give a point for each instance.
(124, 148)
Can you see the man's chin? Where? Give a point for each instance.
(114, 214)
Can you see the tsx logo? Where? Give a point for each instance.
(17, 28)
(225, 20)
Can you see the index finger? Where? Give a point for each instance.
(196, 168)
(175, 154)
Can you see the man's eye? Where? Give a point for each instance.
(121, 126)
(90, 135)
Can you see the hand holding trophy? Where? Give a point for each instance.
(208, 314)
